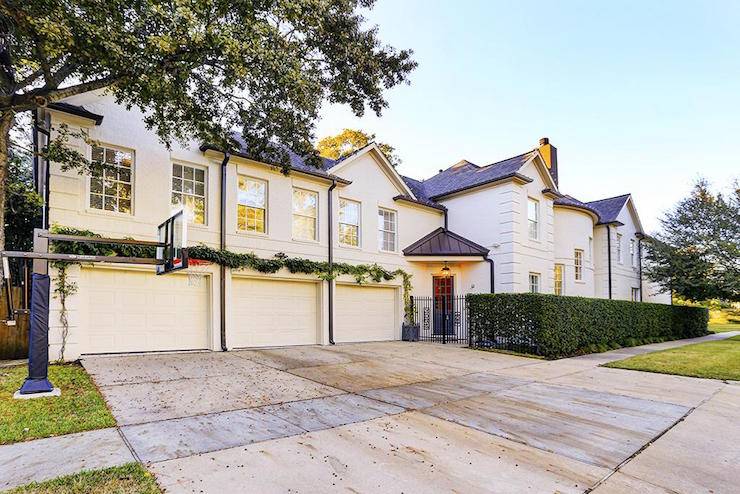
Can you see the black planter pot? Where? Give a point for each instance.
(410, 332)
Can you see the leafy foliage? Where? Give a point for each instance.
(198, 68)
(350, 140)
(697, 254)
(22, 204)
(558, 326)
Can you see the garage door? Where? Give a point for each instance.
(273, 313)
(138, 311)
(365, 313)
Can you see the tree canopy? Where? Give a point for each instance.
(198, 69)
(697, 252)
(350, 140)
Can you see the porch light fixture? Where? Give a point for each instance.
(446, 270)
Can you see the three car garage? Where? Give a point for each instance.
(130, 310)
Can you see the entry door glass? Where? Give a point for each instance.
(444, 297)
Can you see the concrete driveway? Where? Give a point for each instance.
(414, 417)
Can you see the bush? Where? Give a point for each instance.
(557, 326)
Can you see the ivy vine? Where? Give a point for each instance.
(362, 273)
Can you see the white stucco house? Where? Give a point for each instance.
(503, 227)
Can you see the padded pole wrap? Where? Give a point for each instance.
(38, 345)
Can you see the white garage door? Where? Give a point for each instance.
(273, 313)
(364, 313)
(138, 311)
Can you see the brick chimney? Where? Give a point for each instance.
(550, 155)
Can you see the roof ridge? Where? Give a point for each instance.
(609, 198)
(507, 159)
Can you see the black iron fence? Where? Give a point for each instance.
(442, 319)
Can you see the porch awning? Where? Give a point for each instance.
(442, 243)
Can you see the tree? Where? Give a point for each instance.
(350, 140)
(697, 254)
(197, 68)
(22, 204)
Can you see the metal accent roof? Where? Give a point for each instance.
(572, 202)
(442, 242)
(609, 208)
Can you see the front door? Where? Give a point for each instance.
(444, 292)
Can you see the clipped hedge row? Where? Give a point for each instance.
(556, 326)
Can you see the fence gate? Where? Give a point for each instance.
(442, 319)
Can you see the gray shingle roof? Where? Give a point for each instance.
(609, 208)
(571, 201)
(465, 175)
(442, 242)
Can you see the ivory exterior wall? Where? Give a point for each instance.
(573, 229)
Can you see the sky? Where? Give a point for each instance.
(638, 97)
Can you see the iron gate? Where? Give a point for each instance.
(442, 319)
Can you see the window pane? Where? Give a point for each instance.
(176, 170)
(241, 217)
(110, 203)
(252, 192)
(96, 185)
(200, 175)
(200, 189)
(187, 172)
(304, 228)
(124, 206)
(97, 154)
(199, 211)
(96, 201)
(176, 199)
(110, 156)
(124, 174)
(304, 202)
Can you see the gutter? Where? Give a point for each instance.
(609, 257)
(493, 275)
(222, 245)
(331, 262)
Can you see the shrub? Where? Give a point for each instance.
(557, 326)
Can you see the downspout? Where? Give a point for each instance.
(639, 261)
(331, 262)
(446, 223)
(609, 258)
(222, 246)
(493, 275)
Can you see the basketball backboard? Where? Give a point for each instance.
(173, 233)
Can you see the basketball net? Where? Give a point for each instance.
(196, 271)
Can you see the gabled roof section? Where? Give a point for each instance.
(388, 168)
(442, 242)
(609, 208)
(76, 110)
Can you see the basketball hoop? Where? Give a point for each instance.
(197, 269)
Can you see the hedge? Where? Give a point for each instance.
(557, 326)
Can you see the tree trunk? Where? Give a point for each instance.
(6, 122)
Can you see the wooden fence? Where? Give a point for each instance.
(13, 339)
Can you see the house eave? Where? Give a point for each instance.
(416, 202)
(515, 177)
(77, 111)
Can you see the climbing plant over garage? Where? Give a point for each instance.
(362, 273)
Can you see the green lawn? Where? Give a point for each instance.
(712, 359)
(80, 408)
(126, 479)
(722, 328)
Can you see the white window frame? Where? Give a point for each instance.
(294, 214)
(619, 249)
(382, 230)
(578, 264)
(559, 281)
(183, 194)
(633, 253)
(591, 250)
(131, 182)
(246, 229)
(535, 282)
(533, 225)
(635, 294)
(358, 225)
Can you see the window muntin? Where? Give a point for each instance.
(619, 248)
(349, 222)
(387, 230)
(305, 214)
(578, 263)
(558, 276)
(111, 189)
(533, 218)
(534, 282)
(189, 191)
(251, 209)
(633, 257)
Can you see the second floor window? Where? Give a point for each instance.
(619, 248)
(635, 297)
(633, 252)
(305, 205)
(558, 279)
(189, 191)
(349, 222)
(578, 263)
(534, 282)
(386, 230)
(112, 189)
(533, 218)
(251, 209)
